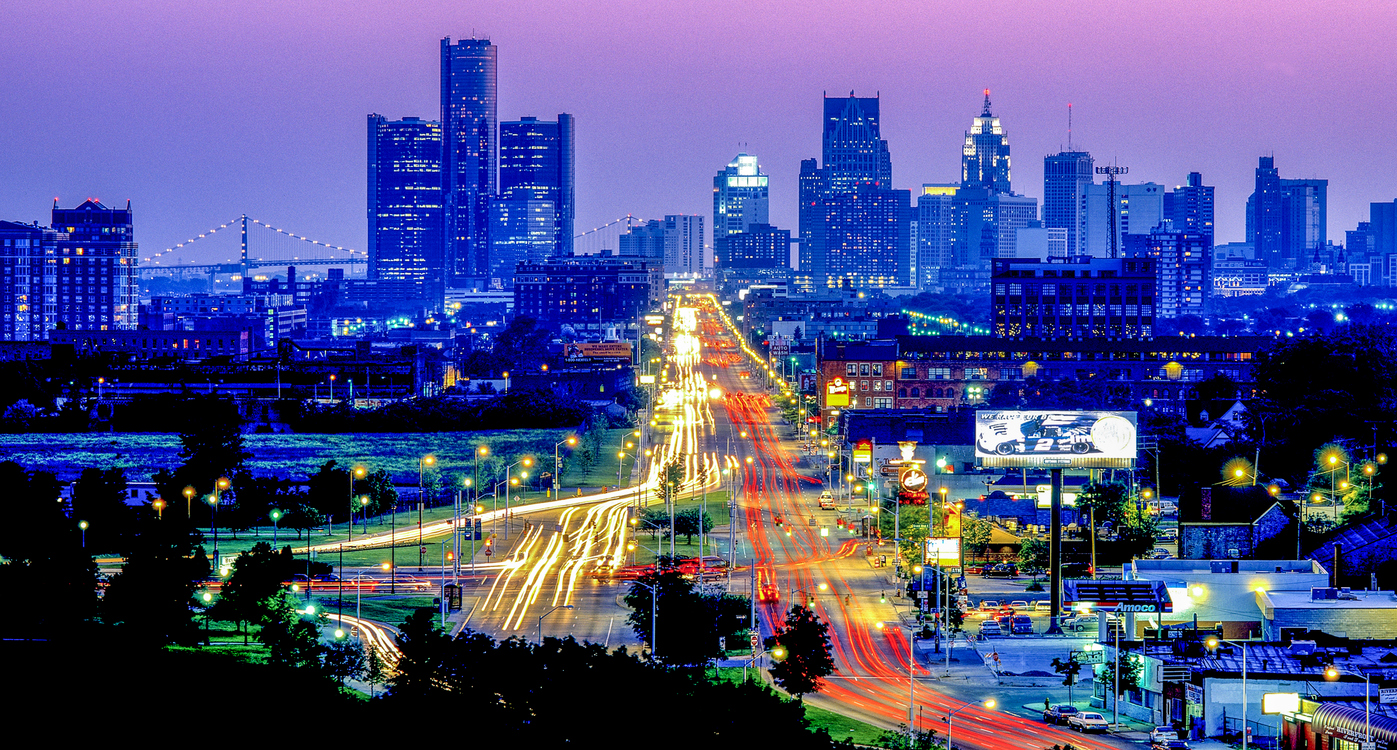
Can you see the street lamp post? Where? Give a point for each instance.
(276, 516)
(526, 462)
(188, 500)
(654, 601)
(545, 614)
(213, 501)
(426, 460)
(558, 465)
(357, 473)
(952, 715)
(1332, 672)
(159, 506)
(1212, 643)
(482, 450)
(82, 525)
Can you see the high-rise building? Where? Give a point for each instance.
(470, 154)
(685, 251)
(407, 229)
(522, 230)
(1382, 220)
(855, 152)
(739, 201)
(985, 155)
(1190, 207)
(1286, 218)
(645, 240)
(854, 228)
(761, 246)
(587, 293)
(1184, 261)
(80, 274)
(1066, 176)
(28, 281)
(537, 163)
(1139, 209)
(936, 233)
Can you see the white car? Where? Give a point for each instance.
(1088, 721)
(1163, 734)
(1019, 605)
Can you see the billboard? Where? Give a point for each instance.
(863, 452)
(945, 550)
(1055, 439)
(598, 350)
(836, 392)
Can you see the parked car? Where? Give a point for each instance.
(975, 569)
(1163, 734)
(1021, 625)
(1169, 535)
(989, 628)
(1006, 623)
(1019, 605)
(1059, 714)
(1081, 622)
(1087, 721)
(1160, 553)
(1170, 745)
(989, 605)
(1001, 570)
(1043, 606)
(1167, 508)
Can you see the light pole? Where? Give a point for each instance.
(545, 614)
(526, 462)
(159, 506)
(1331, 673)
(364, 508)
(952, 715)
(357, 473)
(1212, 644)
(188, 500)
(276, 516)
(213, 501)
(481, 450)
(427, 460)
(558, 465)
(82, 525)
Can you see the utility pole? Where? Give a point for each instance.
(1114, 218)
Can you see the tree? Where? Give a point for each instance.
(45, 566)
(292, 637)
(690, 522)
(671, 476)
(344, 660)
(152, 599)
(328, 491)
(99, 497)
(1069, 668)
(692, 618)
(211, 441)
(1033, 557)
(975, 533)
(1106, 501)
(257, 576)
(423, 652)
(383, 496)
(1131, 667)
(806, 661)
(374, 668)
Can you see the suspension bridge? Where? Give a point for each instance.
(245, 244)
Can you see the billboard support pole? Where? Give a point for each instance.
(1055, 554)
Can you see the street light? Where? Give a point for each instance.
(1212, 644)
(159, 506)
(188, 496)
(358, 473)
(558, 465)
(545, 614)
(83, 526)
(425, 461)
(990, 703)
(654, 599)
(276, 516)
(1332, 673)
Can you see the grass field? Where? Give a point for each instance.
(839, 726)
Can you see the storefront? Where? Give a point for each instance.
(1324, 726)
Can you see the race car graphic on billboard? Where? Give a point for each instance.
(1055, 439)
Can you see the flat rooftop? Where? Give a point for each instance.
(1174, 567)
(1306, 600)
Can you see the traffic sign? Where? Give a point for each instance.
(1387, 695)
(1091, 657)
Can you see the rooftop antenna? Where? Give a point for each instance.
(1069, 126)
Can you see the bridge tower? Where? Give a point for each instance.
(245, 267)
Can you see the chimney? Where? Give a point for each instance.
(1205, 504)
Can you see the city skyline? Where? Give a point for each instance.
(1165, 104)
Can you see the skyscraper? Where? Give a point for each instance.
(1183, 259)
(739, 201)
(1286, 218)
(1139, 208)
(537, 162)
(985, 155)
(1190, 207)
(854, 228)
(407, 238)
(936, 233)
(854, 150)
(28, 281)
(531, 219)
(1066, 176)
(470, 153)
(685, 252)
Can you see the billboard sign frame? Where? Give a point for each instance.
(1061, 439)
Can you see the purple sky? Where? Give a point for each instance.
(201, 111)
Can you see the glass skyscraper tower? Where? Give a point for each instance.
(1065, 178)
(739, 201)
(470, 154)
(405, 205)
(985, 155)
(532, 219)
